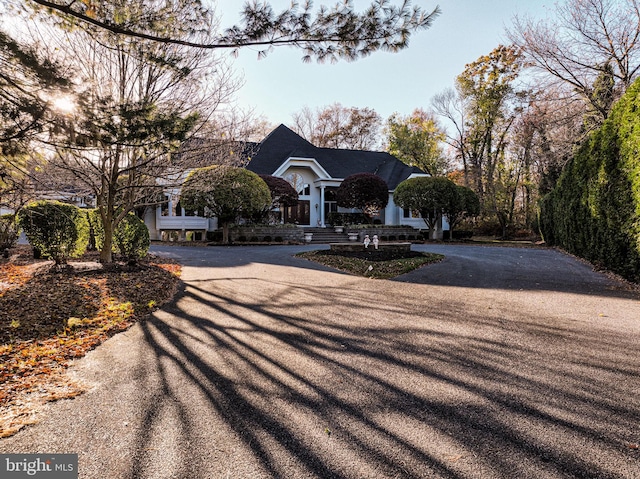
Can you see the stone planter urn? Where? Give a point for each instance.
(338, 229)
(353, 236)
(308, 237)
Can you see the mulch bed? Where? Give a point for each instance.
(50, 316)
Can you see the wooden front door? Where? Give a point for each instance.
(299, 214)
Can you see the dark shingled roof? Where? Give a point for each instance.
(282, 143)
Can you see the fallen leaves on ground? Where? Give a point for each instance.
(378, 264)
(49, 318)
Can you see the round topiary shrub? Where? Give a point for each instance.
(254, 239)
(57, 230)
(278, 239)
(242, 239)
(267, 239)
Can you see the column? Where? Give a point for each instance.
(322, 215)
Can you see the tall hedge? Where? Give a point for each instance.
(594, 210)
(58, 230)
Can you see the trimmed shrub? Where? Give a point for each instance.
(267, 239)
(365, 191)
(253, 239)
(57, 230)
(342, 219)
(278, 239)
(215, 236)
(130, 238)
(243, 239)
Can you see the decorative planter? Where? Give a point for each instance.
(338, 229)
(353, 236)
(308, 237)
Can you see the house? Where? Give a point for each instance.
(314, 172)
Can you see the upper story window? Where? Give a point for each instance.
(297, 181)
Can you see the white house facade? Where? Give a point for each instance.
(314, 172)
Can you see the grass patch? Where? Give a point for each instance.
(372, 264)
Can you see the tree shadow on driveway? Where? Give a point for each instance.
(265, 376)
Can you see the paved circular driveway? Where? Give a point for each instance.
(495, 363)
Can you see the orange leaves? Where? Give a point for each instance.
(172, 268)
(13, 276)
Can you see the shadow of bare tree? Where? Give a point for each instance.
(276, 378)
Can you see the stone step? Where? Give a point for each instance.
(326, 235)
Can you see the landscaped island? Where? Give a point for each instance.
(371, 263)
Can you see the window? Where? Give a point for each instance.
(407, 213)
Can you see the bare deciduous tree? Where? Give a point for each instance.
(336, 126)
(580, 41)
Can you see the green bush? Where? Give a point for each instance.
(215, 236)
(278, 239)
(462, 234)
(341, 219)
(130, 238)
(267, 239)
(9, 232)
(242, 239)
(254, 239)
(57, 230)
(594, 210)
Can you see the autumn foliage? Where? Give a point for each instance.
(364, 191)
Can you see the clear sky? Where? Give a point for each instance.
(281, 84)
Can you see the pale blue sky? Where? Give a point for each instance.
(281, 84)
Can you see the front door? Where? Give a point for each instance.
(299, 214)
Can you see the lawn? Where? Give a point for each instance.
(378, 264)
(47, 319)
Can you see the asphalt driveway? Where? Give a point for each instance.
(495, 363)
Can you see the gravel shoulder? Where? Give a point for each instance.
(494, 363)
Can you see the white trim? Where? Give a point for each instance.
(419, 175)
(310, 163)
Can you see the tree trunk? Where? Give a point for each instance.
(225, 233)
(106, 256)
